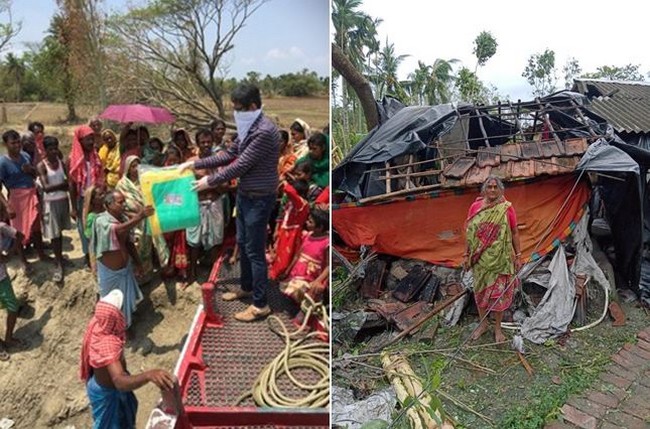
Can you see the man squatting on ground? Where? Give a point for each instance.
(254, 159)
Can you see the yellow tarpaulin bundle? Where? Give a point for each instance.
(170, 193)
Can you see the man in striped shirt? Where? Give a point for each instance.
(253, 158)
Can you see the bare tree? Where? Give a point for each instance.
(180, 47)
(8, 29)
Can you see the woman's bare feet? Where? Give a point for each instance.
(499, 336)
(480, 330)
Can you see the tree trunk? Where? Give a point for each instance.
(359, 83)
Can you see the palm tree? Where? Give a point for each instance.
(439, 82)
(388, 65)
(418, 83)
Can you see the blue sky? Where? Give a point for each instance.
(283, 36)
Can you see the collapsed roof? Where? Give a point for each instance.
(422, 158)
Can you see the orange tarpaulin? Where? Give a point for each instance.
(431, 228)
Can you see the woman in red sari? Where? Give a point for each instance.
(287, 238)
(493, 253)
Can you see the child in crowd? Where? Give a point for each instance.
(319, 157)
(56, 207)
(302, 171)
(288, 231)
(93, 206)
(309, 270)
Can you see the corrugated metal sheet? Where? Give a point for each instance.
(625, 105)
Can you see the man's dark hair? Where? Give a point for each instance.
(284, 136)
(216, 123)
(246, 95)
(50, 141)
(10, 135)
(32, 126)
(321, 217)
(318, 139)
(202, 132)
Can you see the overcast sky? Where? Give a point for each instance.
(283, 36)
(595, 33)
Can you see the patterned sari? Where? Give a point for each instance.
(489, 236)
(133, 203)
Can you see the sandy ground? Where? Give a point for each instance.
(40, 385)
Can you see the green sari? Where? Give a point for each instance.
(490, 244)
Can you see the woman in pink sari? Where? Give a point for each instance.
(493, 253)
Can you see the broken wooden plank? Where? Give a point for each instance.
(374, 280)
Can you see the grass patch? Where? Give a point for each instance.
(544, 400)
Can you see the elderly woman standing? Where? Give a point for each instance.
(493, 253)
(129, 186)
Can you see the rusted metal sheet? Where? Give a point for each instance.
(530, 150)
(488, 157)
(406, 318)
(372, 283)
(575, 146)
(458, 169)
(510, 152)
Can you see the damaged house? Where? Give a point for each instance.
(405, 189)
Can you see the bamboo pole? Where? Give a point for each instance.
(407, 387)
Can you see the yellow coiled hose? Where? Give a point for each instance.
(296, 354)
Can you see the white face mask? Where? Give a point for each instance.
(244, 120)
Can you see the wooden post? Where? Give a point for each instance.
(547, 121)
(480, 123)
(409, 170)
(388, 174)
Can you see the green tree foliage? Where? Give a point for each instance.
(485, 46)
(571, 70)
(540, 72)
(629, 72)
(303, 84)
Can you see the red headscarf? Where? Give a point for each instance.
(77, 169)
(104, 339)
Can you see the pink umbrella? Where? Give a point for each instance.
(137, 113)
